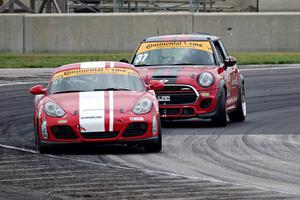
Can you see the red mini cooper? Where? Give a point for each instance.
(200, 79)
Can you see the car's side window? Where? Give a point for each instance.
(223, 48)
(220, 52)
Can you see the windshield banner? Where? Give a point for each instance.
(198, 45)
(91, 71)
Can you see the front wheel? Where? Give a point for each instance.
(239, 114)
(42, 148)
(220, 120)
(155, 146)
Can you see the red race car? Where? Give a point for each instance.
(103, 102)
(201, 80)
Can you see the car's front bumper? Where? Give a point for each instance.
(191, 110)
(126, 130)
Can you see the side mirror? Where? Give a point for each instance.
(124, 60)
(155, 85)
(229, 62)
(38, 89)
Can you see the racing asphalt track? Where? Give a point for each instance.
(256, 159)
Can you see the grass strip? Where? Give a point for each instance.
(54, 60)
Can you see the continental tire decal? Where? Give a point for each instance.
(90, 71)
(198, 45)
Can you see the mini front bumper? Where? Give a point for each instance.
(204, 107)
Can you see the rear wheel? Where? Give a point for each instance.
(239, 114)
(220, 120)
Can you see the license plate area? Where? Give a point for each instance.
(163, 98)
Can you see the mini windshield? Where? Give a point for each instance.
(174, 53)
(98, 79)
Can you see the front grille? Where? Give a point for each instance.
(99, 135)
(176, 94)
(170, 111)
(188, 111)
(63, 132)
(136, 129)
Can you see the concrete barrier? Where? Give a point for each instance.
(279, 5)
(98, 32)
(84, 33)
(11, 33)
(253, 31)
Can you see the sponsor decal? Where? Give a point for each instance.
(136, 118)
(198, 45)
(164, 80)
(90, 71)
(62, 121)
(204, 94)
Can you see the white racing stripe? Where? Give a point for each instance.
(91, 111)
(112, 65)
(111, 111)
(92, 64)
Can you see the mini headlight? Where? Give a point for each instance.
(206, 79)
(53, 110)
(143, 106)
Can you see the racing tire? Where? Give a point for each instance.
(240, 113)
(156, 146)
(42, 148)
(220, 119)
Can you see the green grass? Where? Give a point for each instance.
(267, 58)
(55, 60)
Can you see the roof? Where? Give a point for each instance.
(182, 37)
(94, 64)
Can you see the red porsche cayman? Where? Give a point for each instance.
(103, 102)
(201, 80)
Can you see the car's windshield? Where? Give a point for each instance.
(96, 79)
(174, 53)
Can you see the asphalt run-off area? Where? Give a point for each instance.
(255, 159)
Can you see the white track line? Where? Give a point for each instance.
(21, 83)
(270, 68)
(150, 171)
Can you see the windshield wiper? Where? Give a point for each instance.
(113, 88)
(184, 64)
(69, 91)
(142, 65)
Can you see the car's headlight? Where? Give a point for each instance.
(53, 110)
(143, 106)
(206, 79)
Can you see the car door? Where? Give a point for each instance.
(230, 75)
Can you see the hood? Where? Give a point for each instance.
(172, 74)
(106, 100)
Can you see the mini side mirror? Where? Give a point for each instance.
(124, 60)
(229, 62)
(38, 89)
(155, 85)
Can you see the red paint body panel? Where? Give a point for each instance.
(123, 103)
